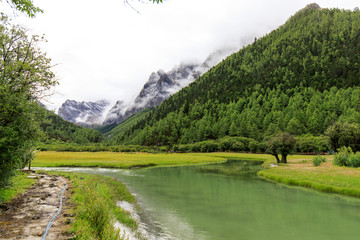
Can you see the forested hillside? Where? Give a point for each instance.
(57, 129)
(301, 78)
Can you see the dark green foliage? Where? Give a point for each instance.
(300, 78)
(344, 134)
(61, 146)
(233, 144)
(255, 117)
(312, 144)
(106, 128)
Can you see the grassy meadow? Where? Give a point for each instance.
(120, 160)
(325, 178)
(133, 160)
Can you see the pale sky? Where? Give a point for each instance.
(106, 50)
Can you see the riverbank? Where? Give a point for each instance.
(324, 178)
(90, 208)
(95, 211)
(28, 215)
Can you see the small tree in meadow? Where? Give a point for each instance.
(283, 144)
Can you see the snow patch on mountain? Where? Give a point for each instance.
(84, 113)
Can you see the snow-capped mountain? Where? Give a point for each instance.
(84, 113)
(161, 85)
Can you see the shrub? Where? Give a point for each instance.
(253, 146)
(354, 160)
(317, 160)
(312, 144)
(345, 157)
(237, 147)
(208, 146)
(342, 157)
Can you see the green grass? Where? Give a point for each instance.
(325, 178)
(19, 184)
(119, 160)
(95, 199)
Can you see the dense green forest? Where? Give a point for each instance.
(302, 78)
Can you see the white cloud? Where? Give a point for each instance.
(105, 50)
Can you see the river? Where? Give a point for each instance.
(199, 202)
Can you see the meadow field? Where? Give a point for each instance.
(134, 160)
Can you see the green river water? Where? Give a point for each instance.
(198, 202)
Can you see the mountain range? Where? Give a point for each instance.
(159, 87)
(84, 113)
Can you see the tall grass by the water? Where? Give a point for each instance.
(95, 209)
(19, 184)
(327, 178)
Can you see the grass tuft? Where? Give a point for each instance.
(19, 184)
(318, 160)
(95, 199)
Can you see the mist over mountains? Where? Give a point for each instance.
(84, 113)
(159, 87)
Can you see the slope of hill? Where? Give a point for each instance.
(58, 129)
(300, 78)
(84, 113)
(161, 85)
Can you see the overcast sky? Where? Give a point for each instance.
(106, 50)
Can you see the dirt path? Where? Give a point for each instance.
(27, 216)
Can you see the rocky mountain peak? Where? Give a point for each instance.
(161, 85)
(84, 113)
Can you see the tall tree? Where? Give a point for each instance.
(25, 77)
